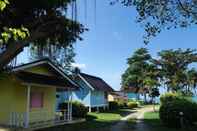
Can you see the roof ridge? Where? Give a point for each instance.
(91, 76)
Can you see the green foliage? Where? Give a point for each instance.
(78, 109)
(113, 105)
(15, 34)
(174, 68)
(167, 97)
(132, 105)
(39, 23)
(140, 102)
(154, 92)
(158, 15)
(3, 4)
(122, 104)
(141, 72)
(134, 74)
(171, 109)
(62, 56)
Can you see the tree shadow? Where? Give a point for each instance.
(92, 123)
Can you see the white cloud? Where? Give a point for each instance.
(81, 66)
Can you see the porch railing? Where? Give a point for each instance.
(17, 119)
(39, 118)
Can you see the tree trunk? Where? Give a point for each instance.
(145, 100)
(15, 48)
(10, 53)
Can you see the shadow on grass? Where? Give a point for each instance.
(89, 125)
(122, 112)
(94, 121)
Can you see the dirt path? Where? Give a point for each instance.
(123, 124)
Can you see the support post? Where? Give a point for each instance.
(68, 106)
(27, 107)
(90, 109)
(71, 97)
(97, 108)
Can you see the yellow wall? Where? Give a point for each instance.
(6, 98)
(47, 112)
(110, 97)
(13, 98)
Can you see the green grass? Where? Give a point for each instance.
(94, 120)
(151, 119)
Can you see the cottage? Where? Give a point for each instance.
(93, 91)
(134, 93)
(117, 96)
(28, 95)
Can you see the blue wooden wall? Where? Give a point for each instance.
(85, 95)
(132, 96)
(98, 98)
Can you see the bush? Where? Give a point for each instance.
(132, 105)
(167, 97)
(141, 102)
(171, 107)
(78, 109)
(113, 105)
(122, 104)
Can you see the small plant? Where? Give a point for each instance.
(122, 104)
(132, 105)
(113, 105)
(78, 109)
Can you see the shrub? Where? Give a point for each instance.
(132, 105)
(122, 104)
(113, 105)
(167, 97)
(78, 109)
(141, 102)
(171, 107)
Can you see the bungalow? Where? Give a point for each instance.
(133, 93)
(93, 91)
(28, 95)
(117, 96)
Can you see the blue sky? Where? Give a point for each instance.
(114, 36)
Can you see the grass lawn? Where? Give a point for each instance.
(151, 119)
(95, 120)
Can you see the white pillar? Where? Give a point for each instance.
(97, 108)
(90, 109)
(71, 97)
(68, 106)
(27, 107)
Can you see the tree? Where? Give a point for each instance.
(141, 72)
(191, 81)
(62, 57)
(158, 15)
(174, 65)
(154, 92)
(42, 22)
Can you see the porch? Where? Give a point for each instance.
(19, 120)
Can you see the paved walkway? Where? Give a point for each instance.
(123, 125)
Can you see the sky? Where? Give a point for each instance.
(113, 36)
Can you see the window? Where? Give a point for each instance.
(36, 100)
